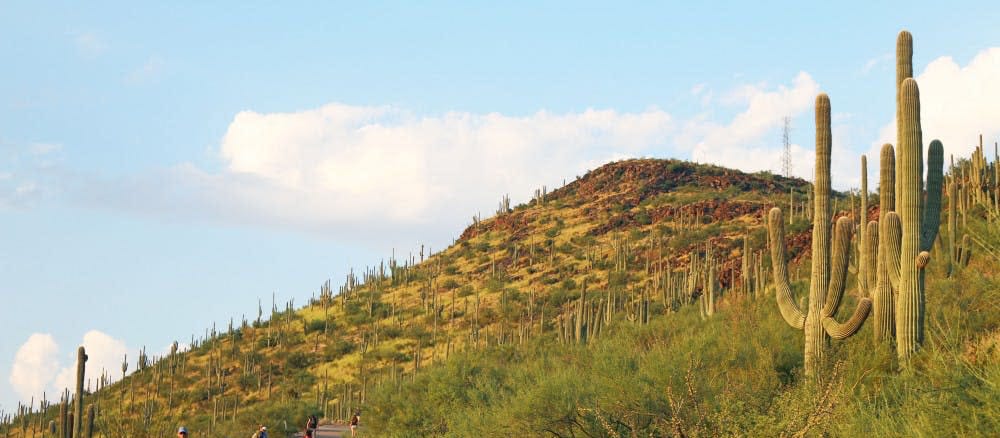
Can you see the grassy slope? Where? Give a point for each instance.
(735, 373)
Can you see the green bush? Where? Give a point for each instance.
(338, 349)
(297, 360)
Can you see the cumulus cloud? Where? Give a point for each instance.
(35, 365)
(104, 353)
(956, 104)
(377, 173)
(374, 169)
(743, 143)
(39, 364)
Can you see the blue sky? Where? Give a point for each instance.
(163, 166)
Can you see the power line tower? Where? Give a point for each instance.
(786, 155)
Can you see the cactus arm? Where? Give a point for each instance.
(838, 265)
(883, 307)
(863, 267)
(932, 206)
(887, 180)
(783, 288)
(904, 70)
(869, 257)
(837, 330)
(892, 228)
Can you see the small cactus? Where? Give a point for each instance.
(89, 430)
(953, 257)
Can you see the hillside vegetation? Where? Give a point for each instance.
(637, 300)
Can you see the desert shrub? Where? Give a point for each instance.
(337, 349)
(465, 291)
(315, 325)
(297, 360)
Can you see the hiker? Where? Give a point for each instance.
(311, 424)
(261, 432)
(354, 422)
(182, 432)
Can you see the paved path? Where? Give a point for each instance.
(333, 431)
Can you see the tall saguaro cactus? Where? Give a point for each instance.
(919, 218)
(81, 361)
(908, 222)
(829, 268)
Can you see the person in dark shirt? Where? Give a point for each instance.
(355, 419)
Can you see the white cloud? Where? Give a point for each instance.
(742, 143)
(375, 169)
(35, 365)
(104, 352)
(377, 173)
(956, 104)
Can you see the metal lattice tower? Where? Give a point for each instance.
(786, 155)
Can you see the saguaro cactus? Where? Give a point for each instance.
(829, 271)
(919, 219)
(81, 366)
(883, 302)
(954, 252)
(90, 423)
(908, 223)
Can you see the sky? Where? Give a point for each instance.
(165, 166)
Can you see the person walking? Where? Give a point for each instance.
(311, 424)
(261, 432)
(355, 419)
(182, 432)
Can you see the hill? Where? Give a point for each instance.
(618, 228)
(639, 299)
(483, 336)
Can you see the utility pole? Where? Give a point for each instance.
(786, 155)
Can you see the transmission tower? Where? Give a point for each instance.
(786, 155)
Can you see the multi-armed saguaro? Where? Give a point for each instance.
(908, 219)
(829, 271)
(908, 223)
